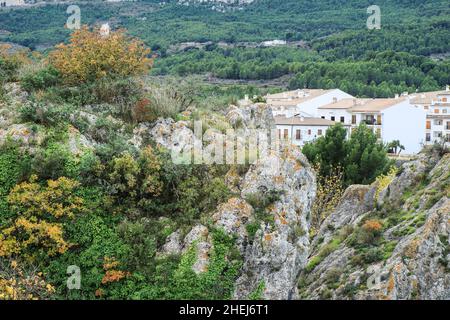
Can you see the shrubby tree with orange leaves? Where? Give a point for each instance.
(90, 56)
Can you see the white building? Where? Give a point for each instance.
(300, 130)
(390, 119)
(10, 3)
(303, 101)
(436, 104)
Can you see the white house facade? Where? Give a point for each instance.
(437, 107)
(301, 130)
(390, 119)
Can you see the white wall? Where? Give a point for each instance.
(311, 106)
(13, 2)
(406, 123)
(305, 137)
(337, 113)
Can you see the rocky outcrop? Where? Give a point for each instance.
(275, 197)
(252, 116)
(410, 259)
(279, 250)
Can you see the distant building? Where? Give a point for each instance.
(390, 119)
(307, 101)
(300, 130)
(436, 104)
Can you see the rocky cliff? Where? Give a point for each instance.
(270, 218)
(386, 241)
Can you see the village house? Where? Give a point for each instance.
(390, 119)
(305, 101)
(300, 130)
(304, 115)
(436, 104)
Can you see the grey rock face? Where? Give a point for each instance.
(253, 116)
(279, 251)
(356, 201)
(417, 268)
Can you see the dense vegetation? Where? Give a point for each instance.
(352, 57)
(107, 208)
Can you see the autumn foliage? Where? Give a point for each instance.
(17, 283)
(38, 228)
(373, 226)
(112, 274)
(90, 56)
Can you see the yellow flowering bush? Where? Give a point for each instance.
(38, 209)
(384, 180)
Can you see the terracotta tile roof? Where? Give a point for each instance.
(426, 97)
(364, 105)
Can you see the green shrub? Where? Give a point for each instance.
(54, 161)
(14, 167)
(47, 115)
(40, 80)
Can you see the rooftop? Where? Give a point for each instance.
(295, 97)
(427, 97)
(364, 105)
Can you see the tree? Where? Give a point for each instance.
(366, 158)
(91, 56)
(329, 151)
(362, 157)
(394, 146)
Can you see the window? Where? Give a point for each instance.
(379, 119)
(378, 133)
(279, 133)
(428, 124)
(444, 110)
(444, 99)
(447, 137)
(448, 126)
(354, 119)
(333, 118)
(298, 135)
(428, 137)
(426, 108)
(309, 130)
(286, 133)
(437, 134)
(438, 122)
(342, 119)
(436, 110)
(319, 132)
(323, 117)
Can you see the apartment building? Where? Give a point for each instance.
(300, 130)
(436, 104)
(390, 119)
(303, 101)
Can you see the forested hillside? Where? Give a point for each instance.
(334, 32)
